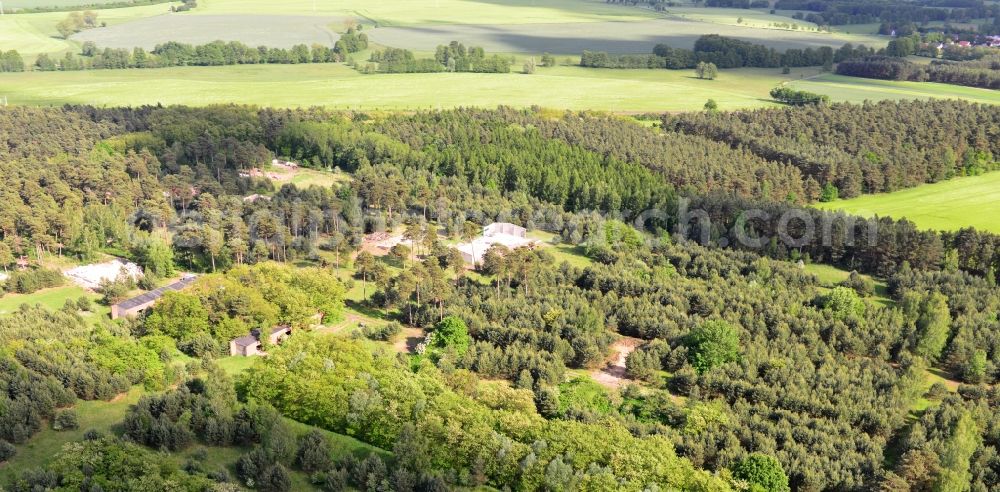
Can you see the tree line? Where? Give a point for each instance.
(453, 57)
(984, 73)
(726, 52)
(216, 53)
(843, 12)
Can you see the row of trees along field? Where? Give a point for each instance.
(726, 52)
(216, 53)
(842, 12)
(453, 57)
(983, 73)
(740, 351)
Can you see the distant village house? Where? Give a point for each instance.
(249, 345)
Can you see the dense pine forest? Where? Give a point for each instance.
(749, 371)
(984, 73)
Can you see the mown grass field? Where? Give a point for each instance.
(948, 205)
(53, 299)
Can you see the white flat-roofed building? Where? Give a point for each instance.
(509, 235)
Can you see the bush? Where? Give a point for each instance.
(84, 304)
(114, 291)
(313, 454)
(65, 420)
(381, 333)
(7, 450)
(29, 281)
(762, 471)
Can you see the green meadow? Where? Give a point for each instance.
(338, 86)
(53, 298)
(948, 205)
(854, 89)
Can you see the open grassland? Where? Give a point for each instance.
(338, 86)
(948, 205)
(33, 34)
(854, 89)
(411, 12)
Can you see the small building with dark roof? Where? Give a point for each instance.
(134, 306)
(248, 345)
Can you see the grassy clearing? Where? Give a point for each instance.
(854, 89)
(830, 276)
(233, 366)
(562, 252)
(948, 205)
(97, 415)
(410, 12)
(104, 416)
(53, 299)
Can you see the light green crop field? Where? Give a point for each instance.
(948, 205)
(411, 12)
(338, 86)
(24, 4)
(33, 34)
(855, 89)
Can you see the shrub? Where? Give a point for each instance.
(381, 333)
(65, 420)
(29, 281)
(7, 450)
(84, 304)
(762, 471)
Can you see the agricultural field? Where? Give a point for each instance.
(411, 12)
(613, 37)
(34, 34)
(27, 4)
(254, 30)
(338, 86)
(948, 205)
